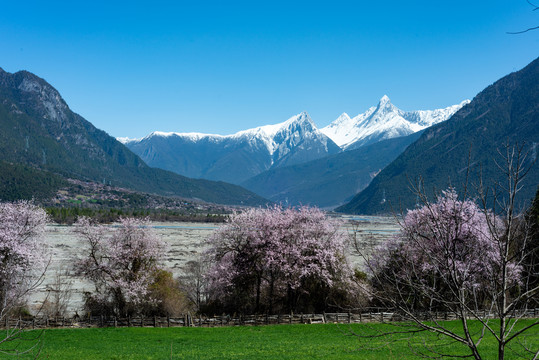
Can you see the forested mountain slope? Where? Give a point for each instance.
(507, 112)
(38, 130)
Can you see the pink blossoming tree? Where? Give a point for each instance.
(277, 260)
(120, 262)
(22, 251)
(23, 262)
(444, 251)
(467, 261)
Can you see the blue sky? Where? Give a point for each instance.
(220, 67)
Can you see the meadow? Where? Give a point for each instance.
(312, 341)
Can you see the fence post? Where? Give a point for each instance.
(349, 318)
(102, 321)
(168, 321)
(291, 316)
(154, 321)
(324, 317)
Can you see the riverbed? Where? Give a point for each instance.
(185, 242)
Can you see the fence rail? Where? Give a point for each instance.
(189, 320)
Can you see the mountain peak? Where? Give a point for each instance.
(37, 93)
(304, 117)
(385, 105)
(384, 100)
(382, 122)
(301, 118)
(344, 117)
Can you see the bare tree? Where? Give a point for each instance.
(465, 261)
(194, 282)
(59, 294)
(509, 300)
(535, 7)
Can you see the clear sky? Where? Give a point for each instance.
(223, 66)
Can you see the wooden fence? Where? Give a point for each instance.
(189, 320)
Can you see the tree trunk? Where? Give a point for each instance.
(258, 284)
(270, 309)
(501, 350)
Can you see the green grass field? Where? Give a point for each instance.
(321, 341)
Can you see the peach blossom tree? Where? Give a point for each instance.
(465, 261)
(23, 262)
(277, 259)
(22, 251)
(120, 262)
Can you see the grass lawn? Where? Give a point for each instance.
(321, 341)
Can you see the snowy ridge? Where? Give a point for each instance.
(125, 140)
(384, 121)
(270, 135)
(237, 157)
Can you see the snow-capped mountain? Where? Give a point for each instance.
(237, 157)
(384, 121)
(240, 156)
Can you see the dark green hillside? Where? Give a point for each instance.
(38, 129)
(330, 181)
(505, 112)
(18, 182)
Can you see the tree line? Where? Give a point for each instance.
(69, 215)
